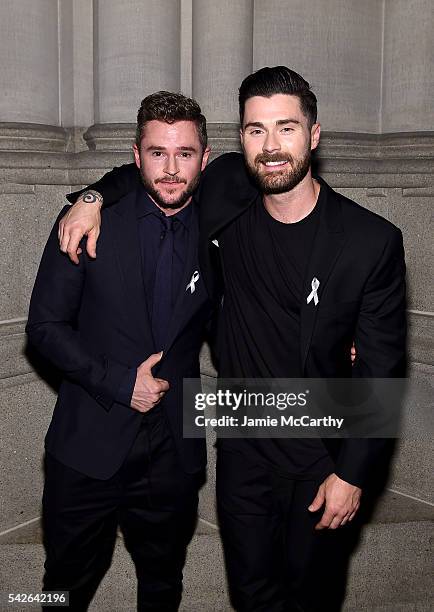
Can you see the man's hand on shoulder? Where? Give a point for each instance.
(82, 219)
(148, 390)
(341, 499)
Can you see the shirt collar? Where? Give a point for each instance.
(146, 206)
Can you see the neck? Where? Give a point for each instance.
(296, 204)
(169, 212)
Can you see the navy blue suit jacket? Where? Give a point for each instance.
(91, 322)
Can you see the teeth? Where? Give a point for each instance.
(275, 163)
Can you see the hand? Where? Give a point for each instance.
(82, 219)
(342, 500)
(353, 354)
(148, 390)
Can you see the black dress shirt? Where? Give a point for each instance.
(151, 234)
(265, 265)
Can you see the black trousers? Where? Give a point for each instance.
(152, 500)
(275, 560)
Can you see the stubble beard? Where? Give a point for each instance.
(280, 181)
(158, 198)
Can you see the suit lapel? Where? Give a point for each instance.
(327, 246)
(209, 230)
(127, 246)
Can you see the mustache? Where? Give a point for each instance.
(174, 180)
(263, 158)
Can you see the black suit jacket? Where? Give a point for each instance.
(358, 257)
(91, 322)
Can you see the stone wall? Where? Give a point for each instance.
(72, 77)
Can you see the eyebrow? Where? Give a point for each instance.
(258, 124)
(158, 148)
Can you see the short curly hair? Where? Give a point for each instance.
(170, 107)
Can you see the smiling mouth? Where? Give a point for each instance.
(275, 164)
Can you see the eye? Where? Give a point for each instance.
(255, 132)
(157, 153)
(287, 130)
(185, 155)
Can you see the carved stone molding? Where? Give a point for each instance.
(40, 154)
(32, 137)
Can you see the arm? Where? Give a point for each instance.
(381, 349)
(54, 308)
(113, 185)
(84, 219)
(381, 353)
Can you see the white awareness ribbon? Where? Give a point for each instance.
(313, 295)
(192, 284)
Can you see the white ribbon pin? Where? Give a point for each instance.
(216, 242)
(192, 284)
(313, 295)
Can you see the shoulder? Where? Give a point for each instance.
(122, 206)
(359, 220)
(228, 172)
(226, 160)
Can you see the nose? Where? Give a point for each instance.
(171, 167)
(271, 143)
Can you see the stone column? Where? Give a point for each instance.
(222, 55)
(408, 86)
(136, 53)
(29, 80)
(336, 46)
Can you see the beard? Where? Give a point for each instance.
(279, 181)
(159, 198)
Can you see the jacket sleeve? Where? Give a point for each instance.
(380, 341)
(113, 185)
(52, 326)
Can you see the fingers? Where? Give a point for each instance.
(60, 230)
(152, 360)
(144, 405)
(74, 240)
(63, 236)
(164, 385)
(81, 220)
(318, 500)
(345, 519)
(353, 514)
(336, 522)
(332, 519)
(326, 520)
(69, 242)
(92, 239)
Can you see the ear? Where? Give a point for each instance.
(242, 137)
(136, 155)
(315, 133)
(205, 157)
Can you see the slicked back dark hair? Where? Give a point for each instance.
(170, 107)
(267, 82)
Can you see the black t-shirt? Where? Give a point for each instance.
(264, 264)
